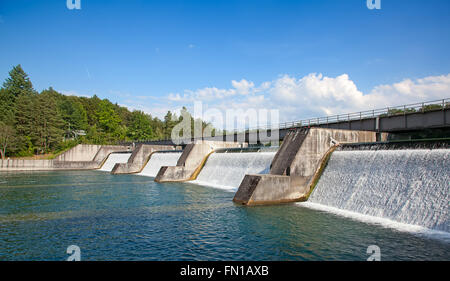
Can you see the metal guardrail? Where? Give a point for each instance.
(368, 114)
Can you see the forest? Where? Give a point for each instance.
(33, 123)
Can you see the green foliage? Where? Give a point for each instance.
(7, 107)
(169, 123)
(18, 82)
(7, 138)
(49, 122)
(140, 127)
(394, 111)
(431, 107)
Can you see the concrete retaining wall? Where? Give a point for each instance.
(25, 165)
(81, 152)
(191, 160)
(139, 158)
(72, 159)
(294, 166)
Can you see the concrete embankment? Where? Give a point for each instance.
(191, 160)
(139, 158)
(296, 166)
(79, 153)
(80, 157)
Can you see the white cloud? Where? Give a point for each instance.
(315, 95)
(243, 87)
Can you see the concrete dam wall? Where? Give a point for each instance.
(295, 165)
(159, 159)
(409, 186)
(139, 158)
(113, 159)
(226, 170)
(192, 160)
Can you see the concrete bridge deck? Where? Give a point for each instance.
(397, 119)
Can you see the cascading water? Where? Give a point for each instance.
(157, 160)
(227, 170)
(114, 158)
(410, 187)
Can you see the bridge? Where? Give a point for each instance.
(397, 119)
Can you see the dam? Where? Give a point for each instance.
(346, 187)
(227, 170)
(157, 160)
(405, 186)
(113, 159)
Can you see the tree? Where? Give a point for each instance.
(110, 123)
(169, 123)
(73, 114)
(48, 124)
(140, 127)
(18, 82)
(7, 138)
(7, 104)
(35, 123)
(24, 121)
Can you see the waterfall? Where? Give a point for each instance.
(227, 170)
(114, 158)
(159, 159)
(408, 187)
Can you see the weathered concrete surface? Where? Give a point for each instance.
(106, 150)
(72, 161)
(75, 165)
(191, 160)
(265, 189)
(295, 165)
(45, 165)
(79, 153)
(139, 158)
(25, 165)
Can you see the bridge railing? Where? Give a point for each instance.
(361, 115)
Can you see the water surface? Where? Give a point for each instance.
(130, 217)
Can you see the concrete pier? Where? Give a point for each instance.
(192, 160)
(139, 158)
(295, 166)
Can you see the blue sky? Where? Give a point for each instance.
(144, 53)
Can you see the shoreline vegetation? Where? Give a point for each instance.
(42, 125)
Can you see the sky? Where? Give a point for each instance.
(304, 58)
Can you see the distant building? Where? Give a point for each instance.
(74, 134)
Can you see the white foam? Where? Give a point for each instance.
(387, 223)
(113, 159)
(405, 189)
(227, 170)
(157, 160)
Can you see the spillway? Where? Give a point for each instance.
(226, 170)
(157, 160)
(409, 187)
(114, 158)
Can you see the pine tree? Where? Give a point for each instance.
(18, 82)
(7, 110)
(48, 124)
